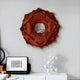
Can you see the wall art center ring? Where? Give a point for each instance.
(47, 36)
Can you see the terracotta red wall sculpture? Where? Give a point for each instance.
(40, 39)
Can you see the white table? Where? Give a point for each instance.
(40, 76)
(3, 76)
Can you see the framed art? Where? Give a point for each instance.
(17, 65)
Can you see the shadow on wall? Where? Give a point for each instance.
(61, 65)
(71, 77)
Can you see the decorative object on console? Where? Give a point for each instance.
(2, 66)
(1, 61)
(48, 32)
(17, 65)
(50, 65)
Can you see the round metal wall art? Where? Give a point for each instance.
(47, 36)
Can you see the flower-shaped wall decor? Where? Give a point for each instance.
(47, 36)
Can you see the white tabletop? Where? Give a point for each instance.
(3, 76)
(41, 74)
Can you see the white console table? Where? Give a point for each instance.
(3, 76)
(40, 76)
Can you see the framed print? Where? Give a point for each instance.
(16, 64)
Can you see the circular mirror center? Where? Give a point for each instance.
(39, 27)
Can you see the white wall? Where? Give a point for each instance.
(67, 46)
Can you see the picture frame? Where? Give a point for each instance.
(17, 65)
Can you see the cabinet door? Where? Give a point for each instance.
(56, 77)
(34, 77)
